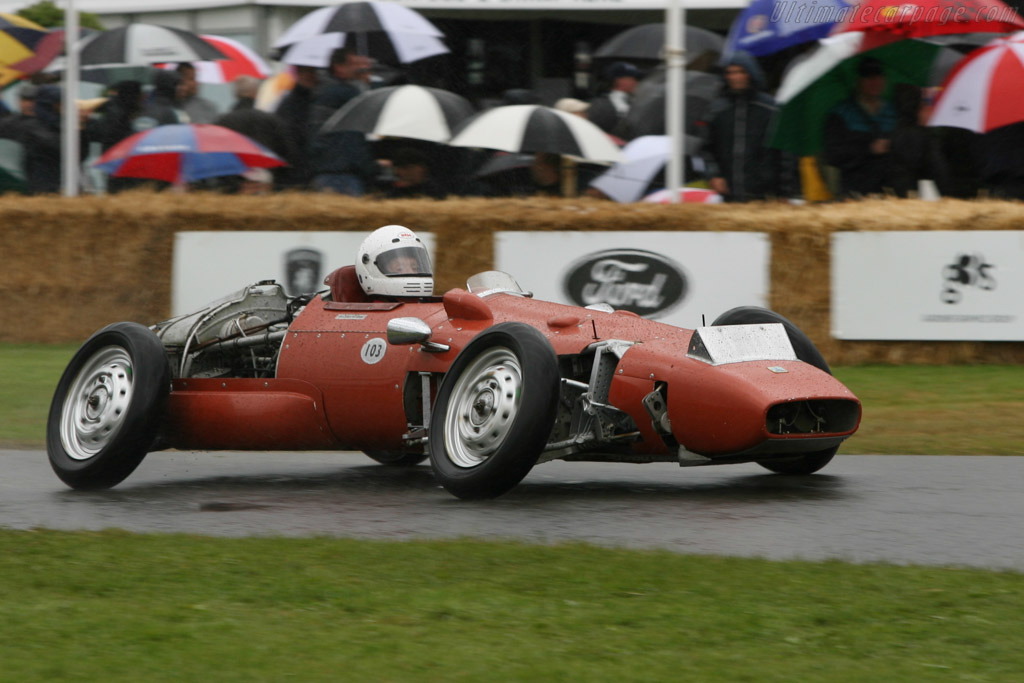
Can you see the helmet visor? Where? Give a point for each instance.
(404, 261)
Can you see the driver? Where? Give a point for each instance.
(392, 261)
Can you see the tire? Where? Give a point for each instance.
(806, 351)
(108, 407)
(494, 411)
(397, 458)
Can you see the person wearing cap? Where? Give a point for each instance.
(858, 134)
(607, 110)
(571, 105)
(738, 163)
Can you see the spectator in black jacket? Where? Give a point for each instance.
(162, 106)
(858, 134)
(43, 167)
(739, 164)
(608, 110)
(294, 109)
(341, 161)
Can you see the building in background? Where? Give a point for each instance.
(496, 45)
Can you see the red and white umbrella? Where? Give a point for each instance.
(240, 61)
(984, 90)
(690, 195)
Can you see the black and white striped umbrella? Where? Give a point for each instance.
(140, 44)
(388, 32)
(534, 128)
(403, 111)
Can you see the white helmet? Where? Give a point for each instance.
(392, 261)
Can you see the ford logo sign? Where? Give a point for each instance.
(630, 279)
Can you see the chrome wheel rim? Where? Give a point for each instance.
(482, 407)
(96, 403)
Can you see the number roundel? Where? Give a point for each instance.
(373, 351)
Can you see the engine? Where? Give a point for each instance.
(239, 335)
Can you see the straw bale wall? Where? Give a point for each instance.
(71, 266)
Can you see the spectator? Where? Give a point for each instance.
(858, 134)
(272, 132)
(340, 161)
(570, 105)
(1003, 167)
(738, 163)
(916, 151)
(113, 122)
(161, 107)
(199, 109)
(607, 110)
(413, 176)
(13, 129)
(43, 163)
(246, 88)
(295, 111)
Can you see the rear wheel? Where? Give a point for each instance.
(494, 411)
(108, 407)
(806, 351)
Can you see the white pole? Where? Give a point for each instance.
(70, 140)
(675, 93)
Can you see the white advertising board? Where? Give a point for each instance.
(928, 285)
(209, 265)
(674, 277)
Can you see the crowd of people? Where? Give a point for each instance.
(875, 142)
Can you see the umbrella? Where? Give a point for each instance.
(647, 42)
(690, 195)
(25, 46)
(182, 153)
(647, 114)
(534, 128)
(769, 26)
(403, 111)
(823, 78)
(983, 91)
(885, 21)
(141, 44)
(643, 159)
(387, 31)
(239, 60)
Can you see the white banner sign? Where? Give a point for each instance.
(674, 277)
(929, 285)
(209, 265)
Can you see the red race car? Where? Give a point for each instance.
(485, 381)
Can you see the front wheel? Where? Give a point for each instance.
(494, 411)
(805, 351)
(108, 407)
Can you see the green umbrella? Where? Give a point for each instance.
(828, 75)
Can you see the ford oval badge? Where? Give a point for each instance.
(635, 280)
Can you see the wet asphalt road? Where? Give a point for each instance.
(927, 510)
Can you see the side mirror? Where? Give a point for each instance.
(405, 331)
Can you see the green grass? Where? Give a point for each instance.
(944, 410)
(957, 410)
(113, 606)
(28, 377)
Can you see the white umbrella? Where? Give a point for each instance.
(403, 111)
(388, 32)
(984, 91)
(642, 159)
(534, 128)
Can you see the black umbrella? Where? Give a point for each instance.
(403, 111)
(647, 115)
(533, 128)
(647, 42)
(387, 31)
(140, 44)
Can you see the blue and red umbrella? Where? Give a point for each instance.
(183, 153)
